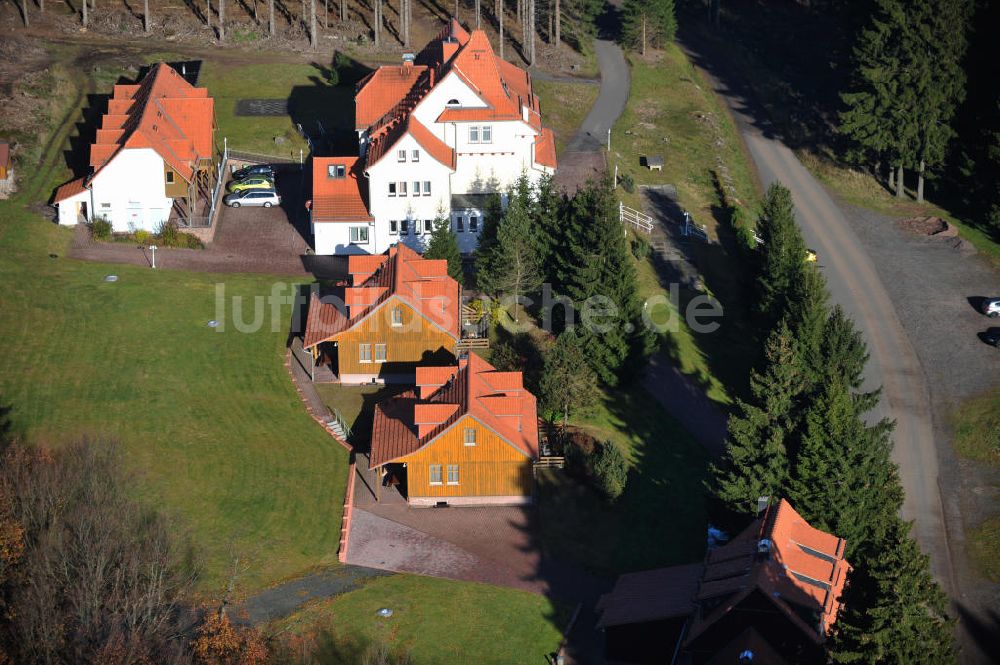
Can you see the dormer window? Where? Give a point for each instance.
(453, 103)
(336, 171)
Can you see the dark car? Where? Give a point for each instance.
(254, 169)
(991, 336)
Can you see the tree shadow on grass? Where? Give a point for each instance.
(326, 112)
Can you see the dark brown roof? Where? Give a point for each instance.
(749, 640)
(651, 595)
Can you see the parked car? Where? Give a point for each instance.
(253, 197)
(253, 182)
(991, 336)
(254, 169)
(991, 307)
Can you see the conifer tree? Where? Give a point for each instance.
(843, 349)
(755, 462)
(782, 254)
(807, 316)
(568, 385)
(893, 611)
(510, 266)
(444, 245)
(651, 22)
(547, 214)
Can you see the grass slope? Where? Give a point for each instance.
(564, 106)
(436, 621)
(209, 421)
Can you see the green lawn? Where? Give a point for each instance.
(659, 521)
(436, 621)
(564, 106)
(309, 99)
(356, 404)
(210, 424)
(984, 546)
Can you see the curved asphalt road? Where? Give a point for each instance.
(857, 287)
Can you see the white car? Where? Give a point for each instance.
(253, 197)
(991, 307)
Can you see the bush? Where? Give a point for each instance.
(505, 357)
(141, 236)
(627, 182)
(640, 247)
(171, 236)
(100, 228)
(610, 470)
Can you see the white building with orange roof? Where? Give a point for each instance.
(438, 135)
(153, 153)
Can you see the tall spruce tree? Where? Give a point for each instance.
(893, 611)
(594, 268)
(510, 267)
(568, 385)
(547, 214)
(806, 317)
(843, 349)
(755, 462)
(782, 254)
(444, 245)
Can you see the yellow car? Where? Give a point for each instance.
(253, 182)
(811, 256)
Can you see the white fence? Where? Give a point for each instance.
(692, 229)
(639, 220)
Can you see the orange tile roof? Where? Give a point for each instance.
(163, 112)
(545, 148)
(512, 413)
(787, 560)
(324, 319)
(71, 188)
(384, 89)
(391, 134)
(339, 199)
(402, 273)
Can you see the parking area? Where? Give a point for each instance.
(272, 240)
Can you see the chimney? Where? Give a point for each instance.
(762, 503)
(408, 60)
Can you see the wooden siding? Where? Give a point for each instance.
(416, 341)
(492, 467)
(178, 189)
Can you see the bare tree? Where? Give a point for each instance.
(24, 12)
(41, 6)
(500, 19)
(222, 21)
(208, 13)
(313, 37)
(343, 10)
(145, 17)
(558, 21)
(377, 22)
(478, 21)
(270, 17)
(84, 8)
(326, 14)
(531, 32)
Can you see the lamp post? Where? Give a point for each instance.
(152, 248)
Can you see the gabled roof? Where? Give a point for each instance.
(389, 136)
(400, 273)
(70, 189)
(545, 148)
(474, 388)
(381, 91)
(651, 595)
(163, 112)
(787, 561)
(343, 199)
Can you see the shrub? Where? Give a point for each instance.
(627, 182)
(505, 357)
(171, 236)
(640, 247)
(100, 228)
(141, 236)
(610, 470)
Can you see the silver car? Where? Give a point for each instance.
(253, 197)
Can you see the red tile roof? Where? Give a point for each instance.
(786, 559)
(511, 413)
(163, 112)
(545, 148)
(401, 273)
(339, 199)
(386, 88)
(388, 136)
(651, 595)
(71, 188)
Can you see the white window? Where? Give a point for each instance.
(435, 474)
(365, 353)
(452, 474)
(459, 223)
(473, 134)
(392, 189)
(416, 188)
(400, 155)
(474, 224)
(105, 206)
(427, 187)
(359, 235)
(402, 188)
(336, 171)
(428, 226)
(397, 316)
(487, 134)
(470, 436)
(380, 353)
(404, 227)
(393, 227)
(414, 155)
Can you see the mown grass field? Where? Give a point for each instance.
(435, 621)
(564, 106)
